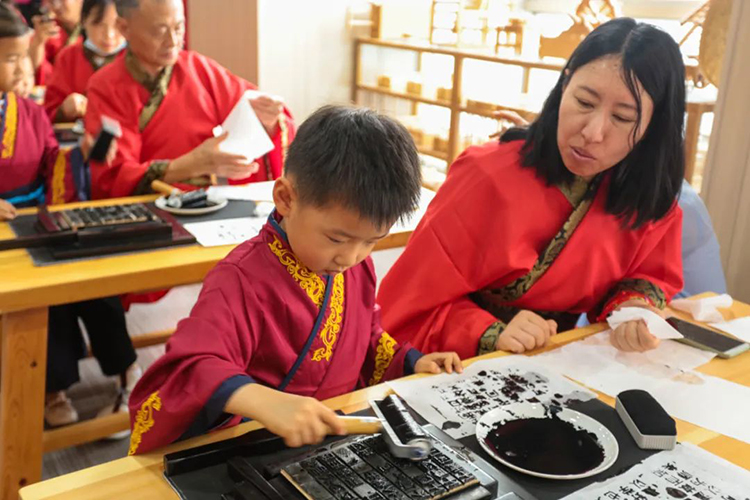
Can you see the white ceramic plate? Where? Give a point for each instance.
(218, 204)
(517, 411)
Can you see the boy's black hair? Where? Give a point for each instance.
(646, 183)
(358, 158)
(12, 24)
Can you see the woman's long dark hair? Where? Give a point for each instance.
(645, 184)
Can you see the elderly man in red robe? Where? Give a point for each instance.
(168, 101)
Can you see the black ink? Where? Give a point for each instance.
(448, 425)
(651, 491)
(676, 493)
(546, 445)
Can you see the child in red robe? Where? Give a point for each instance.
(36, 172)
(65, 99)
(289, 317)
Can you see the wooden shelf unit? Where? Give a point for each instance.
(456, 104)
(522, 104)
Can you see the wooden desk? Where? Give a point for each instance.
(141, 476)
(26, 292)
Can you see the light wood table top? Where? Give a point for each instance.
(24, 286)
(26, 293)
(141, 476)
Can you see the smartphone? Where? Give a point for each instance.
(110, 130)
(709, 340)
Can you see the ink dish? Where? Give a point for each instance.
(547, 441)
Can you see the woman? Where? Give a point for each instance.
(575, 214)
(65, 100)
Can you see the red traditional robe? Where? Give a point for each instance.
(488, 226)
(52, 48)
(200, 96)
(34, 170)
(263, 317)
(71, 74)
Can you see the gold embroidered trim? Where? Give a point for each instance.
(517, 288)
(575, 191)
(95, 60)
(330, 331)
(310, 282)
(157, 169)
(74, 35)
(284, 137)
(383, 356)
(144, 421)
(58, 179)
(157, 86)
(642, 287)
(11, 126)
(488, 340)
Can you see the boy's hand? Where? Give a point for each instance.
(7, 211)
(526, 331)
(301, 420)
(432, 363)
(298, 420)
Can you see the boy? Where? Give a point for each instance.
(289, 317)
(35, 171)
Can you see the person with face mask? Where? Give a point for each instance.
(65, 99)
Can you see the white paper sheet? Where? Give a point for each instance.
(657, 325)
(739, 327)
(709, 402)
(684, 472)
(255, 191)
(455, 402)
(225, 232)
(704, 309)
(247, 136)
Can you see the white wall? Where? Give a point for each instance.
(305, 52)
(726, 188)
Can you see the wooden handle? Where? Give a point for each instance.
(362, 425)
(164, 188)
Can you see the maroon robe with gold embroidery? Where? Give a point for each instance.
(256, 318)
(200, 96)
(34, 170)
(487, 227)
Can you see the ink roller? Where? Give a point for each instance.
(181, 199)
(404, 437)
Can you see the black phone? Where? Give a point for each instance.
(709, 340)
(110, 130)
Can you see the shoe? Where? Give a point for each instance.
(131, 377)
(120, 406)
(59, 410)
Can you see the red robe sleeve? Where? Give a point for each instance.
(215, 343)
(425, 294)
(60, 84)
(656, 272)
(126, 170)
(227, 89)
